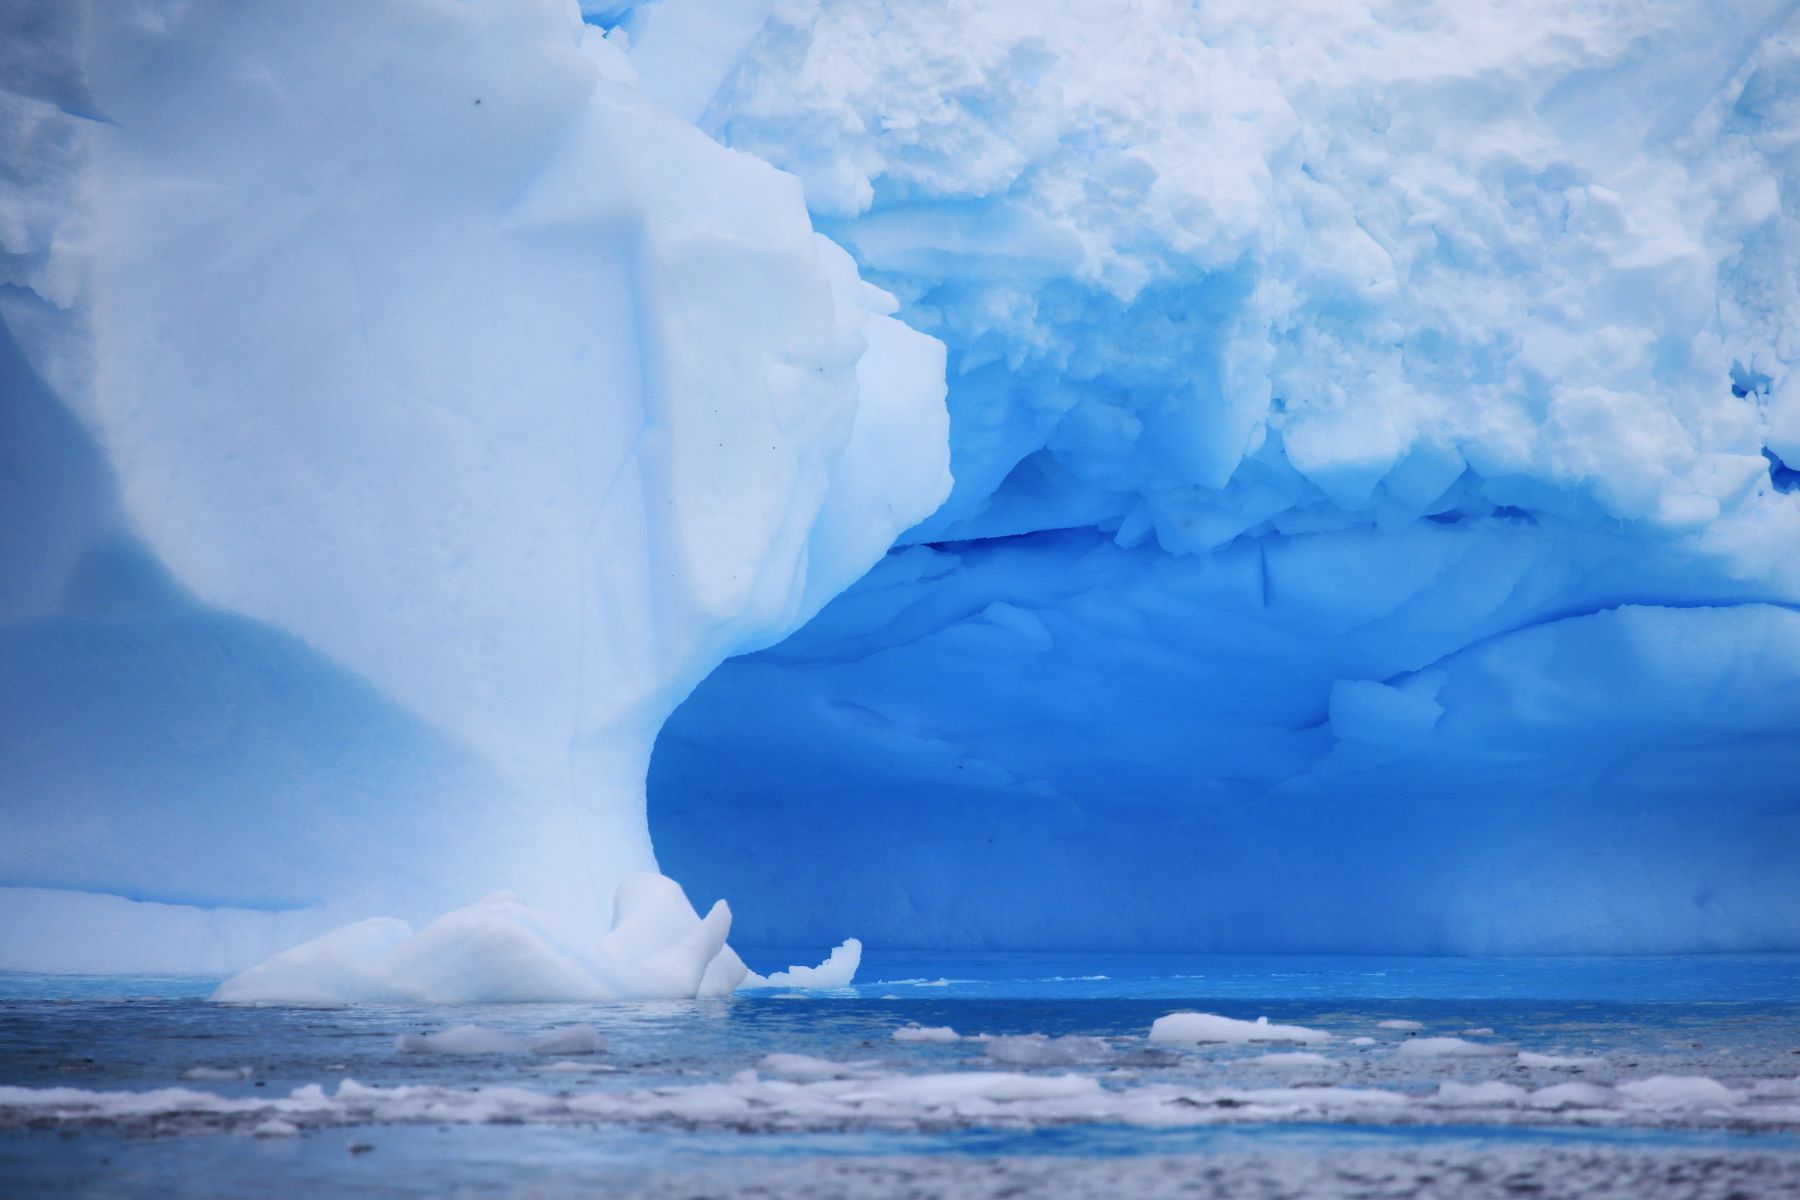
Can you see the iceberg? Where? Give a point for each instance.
(1374, 504)
(402, 411)
(1033, 475)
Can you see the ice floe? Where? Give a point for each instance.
(1195, 1028)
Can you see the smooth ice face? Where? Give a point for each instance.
(1373, 524)
(404, 412)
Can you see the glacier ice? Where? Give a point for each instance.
(1371, 526)
(837, 971)
(373, 503)
(501, 949)
(1373, 517)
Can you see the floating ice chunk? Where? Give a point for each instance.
(924, 1033)
(496, 950)
(1193, 1028)
(1558, 1061)
(502, 949)
(1399, 1024)
(1484, 1031)
(1447, 1047)
(1292, 1058)
(1678, 1091)
(837, 971)
(576, 1039)
(1036, 1050)
(345, 963)
(274, 1127)
(216, 1074)
(1572, 1095)
(724, 975)
(464, 1039)
(1362, 1041)
(1489, 1092)
(659, 947)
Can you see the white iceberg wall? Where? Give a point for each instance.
(1373, 522)
(442, 403)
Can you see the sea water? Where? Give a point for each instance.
(1670, 1077)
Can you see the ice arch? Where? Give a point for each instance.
(1373, 524)
(403, 412)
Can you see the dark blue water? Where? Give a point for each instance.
(1734, 1019)
(1772, 978)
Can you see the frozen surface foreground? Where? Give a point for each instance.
(1389, 1078)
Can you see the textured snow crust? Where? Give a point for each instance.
(1373, 517)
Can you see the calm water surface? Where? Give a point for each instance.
(1734, 1020)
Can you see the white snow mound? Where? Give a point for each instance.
(502, 949)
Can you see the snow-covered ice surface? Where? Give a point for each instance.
(1625, 1070)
